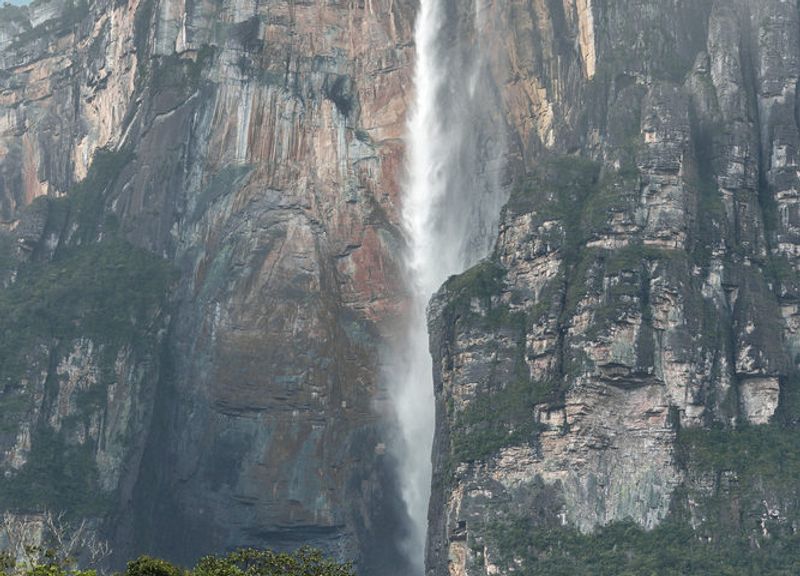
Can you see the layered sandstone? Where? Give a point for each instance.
(254, 150)
(641, 297)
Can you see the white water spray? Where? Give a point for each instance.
(452, 201)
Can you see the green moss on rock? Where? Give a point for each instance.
(625, 549)
(57, 476)
(95, 287)
(754, 453)
(502, 417)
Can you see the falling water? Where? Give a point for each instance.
(452, 200)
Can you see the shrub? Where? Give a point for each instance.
(147, 566)
(247, 562)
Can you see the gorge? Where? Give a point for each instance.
(510, 284)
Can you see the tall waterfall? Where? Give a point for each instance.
(452, 200)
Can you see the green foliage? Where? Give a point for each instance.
(476, 432)
(58, 475)
(755, 453)
(148, 566)
(559, 190)
(8, 567)
(102, 290)
(625, 549)
(750, 465)
(109, 292)
(484, 282)
(613, 193)
(306, 562)
(105, 290)
(494, 419)
(244, 562)
(710, 206)
(172, 72)
(632, 257)
(629, 290)
(571, 191)
(247, 562)
(562, 183)
(780, 270)
(481, 281)
(56, 570)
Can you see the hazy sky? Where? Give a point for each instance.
(17, 2)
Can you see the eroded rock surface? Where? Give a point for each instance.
(641, 299)
(251, 151)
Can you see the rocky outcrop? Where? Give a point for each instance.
(253, 152)
(198, 258)
(638, 310)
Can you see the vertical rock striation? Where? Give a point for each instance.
(250, 153)
(630, 345)
(199, 240)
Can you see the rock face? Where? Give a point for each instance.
(238, 166)
(631, 344)
(198, 258)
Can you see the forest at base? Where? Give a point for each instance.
(244, 562)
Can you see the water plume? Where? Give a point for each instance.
(452, 199)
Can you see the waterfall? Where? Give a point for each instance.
(453, 196)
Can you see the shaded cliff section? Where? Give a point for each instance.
(197, 208)
(617, 385)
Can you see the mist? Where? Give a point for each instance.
(451, 205)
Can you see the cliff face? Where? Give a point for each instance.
(198, 257)
(629, 351)
(217, 383)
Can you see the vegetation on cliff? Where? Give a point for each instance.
(78, 285)
(592, 281)
(625, 549)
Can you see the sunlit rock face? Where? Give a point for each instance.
(255, 152)
(643, 288)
